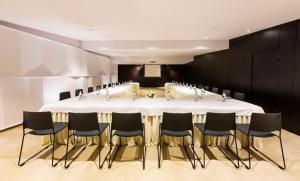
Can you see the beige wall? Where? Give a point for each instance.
(34, 70)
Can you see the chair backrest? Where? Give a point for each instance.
(227, 92)
(215, 90)
(37, 120)
(64, 95)
(126, 121)
(206, 87)
(239, 96)
(104, 86)
(98, 87)
(177, 121)
(77, 92)
(109, 85)
(199, 86)
(90, 89)
(265, 122)
(83, 121)
(220, 121)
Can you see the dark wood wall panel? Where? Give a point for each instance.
(265, 65)
(136, 74)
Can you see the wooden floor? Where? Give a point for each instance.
(128, 165)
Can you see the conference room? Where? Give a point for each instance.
(144, 90)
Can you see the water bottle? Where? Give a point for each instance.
(224, 97)
(196, 95)
(107, 95)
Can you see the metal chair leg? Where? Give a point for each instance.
(144, 152)
(112, 159)
(99, 146)
(20, 155)
(281, 167)
(203, 147)
(282, 153)
(53, 151)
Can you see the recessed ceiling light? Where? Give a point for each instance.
(248, 30)
(206, 37)
(200, 48)
(152, 48)
(104, 48)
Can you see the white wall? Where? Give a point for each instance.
(34, 70)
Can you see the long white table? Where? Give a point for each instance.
(151, 109)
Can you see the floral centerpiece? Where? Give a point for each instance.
(151, 94)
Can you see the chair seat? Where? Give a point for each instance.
(102, 127)
(57, 128)
(175, 133)
(128, 133)
(200, 126)
(244, 128)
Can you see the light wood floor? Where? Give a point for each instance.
(128, 165)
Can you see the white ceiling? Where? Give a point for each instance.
(149, 27)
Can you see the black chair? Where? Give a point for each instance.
(109, 85)
(262, 126)
(90, 89)
(77, 92)
(176, 125)
(239, 96)
(64, 95)
(227, 92)
(84, 125)
(40, 124)
(215, 90)
(126, 125)
(206, 88)
(104, 86)
(98, 87)
(199, 86)
(219, 125)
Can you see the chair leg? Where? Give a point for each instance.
(236, 149)
(20, 155)
(66, 156)
(159, 151)
(282, 153)
(53, 150)
(112, 159)
(203, 147)
(248, 150)
(99, 147)
(281, 167)
(184, 147)
(144, 152)
(67, 149)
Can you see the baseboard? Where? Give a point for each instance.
(10, 127)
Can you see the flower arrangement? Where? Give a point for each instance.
(151, 94)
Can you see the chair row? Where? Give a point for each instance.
(236, 95)
(67, 94)
(173, 124)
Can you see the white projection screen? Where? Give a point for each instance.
(152, 71)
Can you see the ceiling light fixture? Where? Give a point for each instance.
(200, 48)
(152, 48)
(152, 61)
(248, 30)
(206, 37)
(104, 48)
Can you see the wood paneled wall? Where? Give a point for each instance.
(265, 65)
(136, 74)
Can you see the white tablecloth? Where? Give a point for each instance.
(152, 109)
